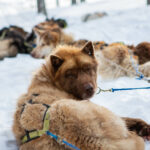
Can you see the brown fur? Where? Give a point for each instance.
(114, 62)
(12, 41)
(62, 83)
(19, 30)
(6, 49)
(139, 126)
(142, 50)
(145, 69)
(49, 35)
(98, 45)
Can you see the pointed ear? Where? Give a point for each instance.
(88, 49)
(38, 30)
(56, 62)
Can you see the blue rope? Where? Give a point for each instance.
(138, 73)
(59, 140)
(125, 89)
(121, 89)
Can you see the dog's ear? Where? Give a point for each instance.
(38, 30)
(88, 49)
(56, 62)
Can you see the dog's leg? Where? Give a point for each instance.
(139, 126)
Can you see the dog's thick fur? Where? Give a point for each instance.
(98, 45)
(145, 69)
(118, 60)
(67, 78)
(12, 41)
(48, 35)
(6, 49)
(142, 50)
(115, 61)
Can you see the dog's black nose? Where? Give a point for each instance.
(89, 88)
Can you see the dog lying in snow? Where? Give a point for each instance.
(65, 82)
(98, 45)
(12, 42)
(49, 34)
(118, 60)
(96, 15)
(114, 61)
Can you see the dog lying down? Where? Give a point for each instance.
(49, 34)
(13, 41)
(65, 83)
(117, 60)
(96, 15)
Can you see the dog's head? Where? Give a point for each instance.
(46, 40)
(99, 45)
(75, 70)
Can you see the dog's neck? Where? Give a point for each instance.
(43, 82)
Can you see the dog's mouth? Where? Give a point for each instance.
(87, 95)
(86, 91)
(84, 96)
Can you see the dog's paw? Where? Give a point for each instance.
(145, 132)
(138, 126)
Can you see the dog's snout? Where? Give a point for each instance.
(88, 88)
(32, 54)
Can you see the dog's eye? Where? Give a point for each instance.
(70, 74)
(87, 69)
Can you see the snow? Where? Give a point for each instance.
(127, 21)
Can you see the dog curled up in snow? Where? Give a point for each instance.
(115, 61)
(59, 92)
(48, 36)
(12, 41)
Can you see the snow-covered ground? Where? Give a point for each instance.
(127, 20)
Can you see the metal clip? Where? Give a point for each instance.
(101, 90)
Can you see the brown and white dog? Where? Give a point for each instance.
(48, 35)
(65, 82)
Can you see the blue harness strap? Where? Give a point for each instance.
(61, 141)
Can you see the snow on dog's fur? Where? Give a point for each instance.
(64, 82)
